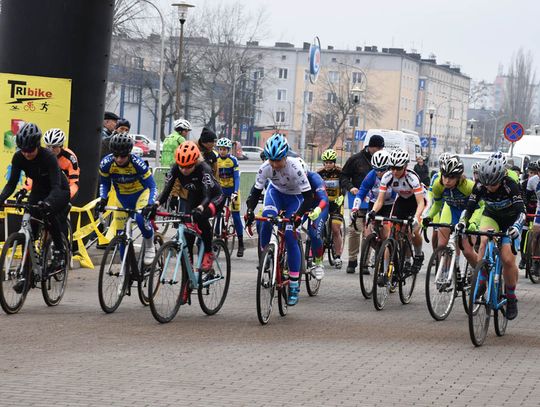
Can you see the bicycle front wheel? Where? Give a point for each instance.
(385, 265)
(266, 283)
(54, 287)
(479, 310)
(367, 265)
(166, 282)
(467, 287)
(214, 283)
(113, 278)
(407, 278)
(15, 271)
(440, 284)
(500, 321)
(143, 286)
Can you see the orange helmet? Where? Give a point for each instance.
(187, 154)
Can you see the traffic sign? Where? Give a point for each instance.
(360, 135)
(475, 148)
(513, 132)
(424, 142)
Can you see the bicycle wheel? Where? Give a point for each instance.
(385, 265)
(266, 283)
(214, 283)
(14, 270)
(407, 278)
(312, 284)
(143, 286)
(479, 311)
(113, 280)
(499, 315)
(283, 291)
(367, 265)
(440, 292)
(308, 255)
(54, 287)
(329, 242)
(466, 287)
(166, 282)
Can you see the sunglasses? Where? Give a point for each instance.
(393, 168)
(382, 169)
(187, 167)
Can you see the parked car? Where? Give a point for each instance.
(252, 152)
(137, 151)
(151, 150)
(144, 147)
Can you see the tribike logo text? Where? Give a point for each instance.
(21, 92)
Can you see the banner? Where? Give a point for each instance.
(26, 98)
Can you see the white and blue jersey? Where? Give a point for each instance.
(369, 192)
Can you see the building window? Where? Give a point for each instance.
(259, 73)
(280, 117)
(258, 115)
(356, 77)
(282, 74)
(331, 98)
(333, 76)
(309, 118)
(334, 59)
(309, 97)
(261, 94)
(357, 61)
(132, 94)
(283, 57)
(282, 94)
(354, 121)
(329, 120)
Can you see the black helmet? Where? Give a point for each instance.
(263, 156)
(123, 122)
(28, 137)
(121, 144)
(533, 166)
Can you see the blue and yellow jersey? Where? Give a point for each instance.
(130, 179)
(228, 173)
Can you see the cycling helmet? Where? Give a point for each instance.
(263, 156)
(380, 160)
(452, 167)
(476, 167)
(28, 137)
(533, 166)
(443, 157)
(276, 147)
(500, 156)
(54, 138)
(187, 154)
(182, 124)
(329, 155)
(399, 158)
(224, 142)
(123, 123)
(491, 171)
(121, 144)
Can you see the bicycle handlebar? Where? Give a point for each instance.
(490, 234)
(437, 225)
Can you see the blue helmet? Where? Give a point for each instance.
(276, 147)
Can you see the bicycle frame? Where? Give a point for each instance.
(495, 270)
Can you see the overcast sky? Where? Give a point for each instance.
(478, 35)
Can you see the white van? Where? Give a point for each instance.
(519, 160)
(528, 145)
(405, 139)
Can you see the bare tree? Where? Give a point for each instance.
(520, 88)
(126, 15)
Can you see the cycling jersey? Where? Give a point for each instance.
(331, 179)
(290, 180)
(408, 185)
(228, 173)
(370, 189)
(132, 178)
(318, 187)
(67, 160)
(532, 187)
(320, 199)
(456, 197)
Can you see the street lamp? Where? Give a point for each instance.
(471, 122)
(182, 15)
(356, 94)
(431, 111)
(235, 79)
(160, 95)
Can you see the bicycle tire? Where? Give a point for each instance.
(368, 257)
(10, 300)
(479, 314)
(143, 285)
(439, 296)
(466, 287)
(500, 322)
(266, 283)
(213, 295)
(381, 286)
(167, 287)
(283, 291)
(406, 283)
(119, 280)
(328, 239)
(54, 288)
(312, 284)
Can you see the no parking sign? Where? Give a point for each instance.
(513, 132)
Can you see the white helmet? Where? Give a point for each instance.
(54, 138)
(380, 160)
(182, 124)
(476, 166)
(492, 171)
(224, 142)
(399, 158)
(500, 156)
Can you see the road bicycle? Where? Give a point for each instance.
(370, 247)
(491, 299)
(312, 284)
(328, 238)
(24, 258)
(223, 225)
(175, 272)
(394, 265)
(121, 267)
(273, 272)
(445, 280)
(532, 260)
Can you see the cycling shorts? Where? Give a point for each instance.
(385, 211)
(404, 208)
(449, 214)
(336, 212)
(487, 222)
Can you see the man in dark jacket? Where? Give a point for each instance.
(353, 173)
(207, 141)
(109, 124)
(422, 170)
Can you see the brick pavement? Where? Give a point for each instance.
(334, 349)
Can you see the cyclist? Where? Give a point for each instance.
(289, 191)
(229, 179)
(475, 168)
(318, 215)
(410, 200)
(134, 186)
(54, 139)
(207, 141)
(331, 174)
(50, 188)
(531, 205)
(503, 211)
(205, 197)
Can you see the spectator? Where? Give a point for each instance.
(109, 124)
(422, 170)
(207, 141)
(353, 173)
(123, 126)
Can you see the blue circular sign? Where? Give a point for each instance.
(314, 59)
(513, 132)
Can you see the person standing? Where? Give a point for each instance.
(207, 142)
(422, 170)
(109, 124)
(353, 173)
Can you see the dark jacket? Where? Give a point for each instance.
(423, 173)
(105, 138)
(355, 170)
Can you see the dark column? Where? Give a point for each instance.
(64, 39)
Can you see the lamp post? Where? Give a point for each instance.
(182, 15)
(235, 79)
(471, 123)
(356, 94)
(431, 111)
(160, 95)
